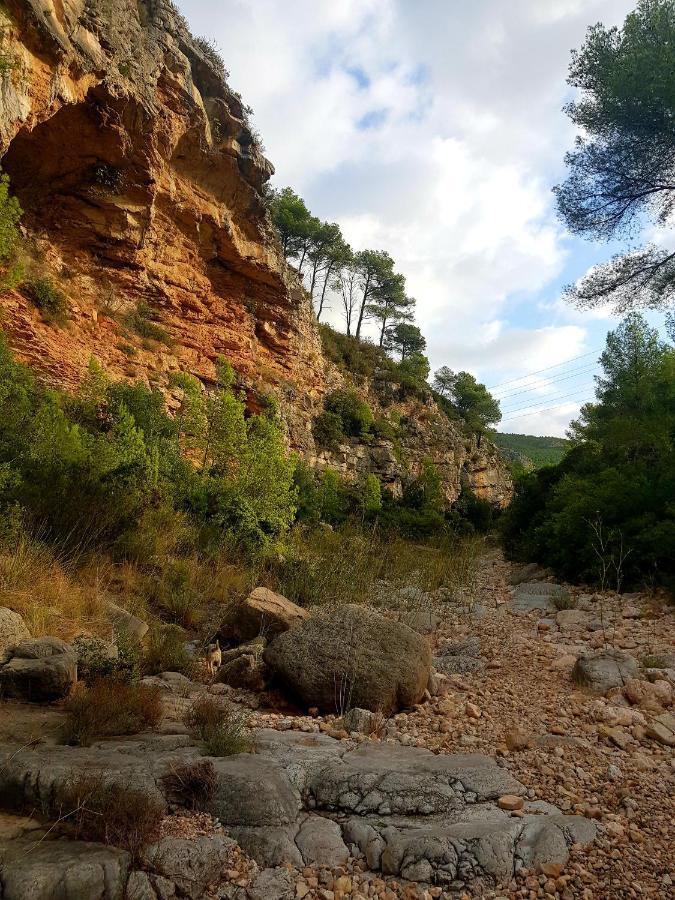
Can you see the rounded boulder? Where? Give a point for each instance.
(351, 657)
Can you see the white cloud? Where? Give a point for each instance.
(453, 175)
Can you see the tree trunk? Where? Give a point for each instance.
(323, 291)
(362, 307)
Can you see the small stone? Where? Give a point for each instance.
(510, 802)
(472, 711)
(517, 739)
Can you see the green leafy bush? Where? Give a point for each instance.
(166, 652)
(51, 302)
(97, 659)
(220, 728)
(10, 213)
(354, 413)
(144, 322)
(327, 430)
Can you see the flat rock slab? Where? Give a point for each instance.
(67, 870)
(390, 779)
(308, 799)
(536, 595)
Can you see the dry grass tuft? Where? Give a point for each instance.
(94, 810)
(221, 729)
(192, 784)
(49, 591)
(110, 707)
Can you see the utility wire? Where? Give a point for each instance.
(576, 373)
(548, 409)
(547, 369)
(555, 397)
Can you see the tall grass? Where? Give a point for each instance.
(52, 590)
(324, 567)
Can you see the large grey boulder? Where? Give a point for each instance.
(62, 870)
(125, 623)
(264, 613)
(40, 670)
(352, 656)
(190, 864)
(603, 670)
(40, 777)
(13, 630)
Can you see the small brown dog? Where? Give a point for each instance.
(214, 658)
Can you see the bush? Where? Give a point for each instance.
(327, 430)
(565, 601)
(10, 213)
(166, 651)
(221, 729)
(109, 813)
(191, 784)
(97, 659)
(384, 430)
(51, 302)
(213, 53)
(143, 321)
(110, 707)
(355, 414)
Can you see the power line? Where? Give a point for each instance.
(556, 397)
(548, 409)
(575, 373)
(547, 369)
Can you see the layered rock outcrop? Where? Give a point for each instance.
(142, 182)
(143, 187)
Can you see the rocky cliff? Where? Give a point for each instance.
(143, 190)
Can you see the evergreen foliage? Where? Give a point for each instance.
(610, 503)
(620, 170)
(89, 466)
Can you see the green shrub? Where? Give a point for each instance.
(10, 213)
(165, 651)
(51, 302)
(220, 728)
(369, 494)
(384, 430)
(143, 321)
(327, 430)
(214, 55)
(97, 659)
(565, 601)
(355, 414)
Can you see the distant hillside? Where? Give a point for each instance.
(531, 451)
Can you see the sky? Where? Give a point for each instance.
(434, 129)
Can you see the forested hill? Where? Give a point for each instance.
(528, 448)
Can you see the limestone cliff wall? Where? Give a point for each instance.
(142, 183)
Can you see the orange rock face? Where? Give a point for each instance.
(143, 191)
(142, 183)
